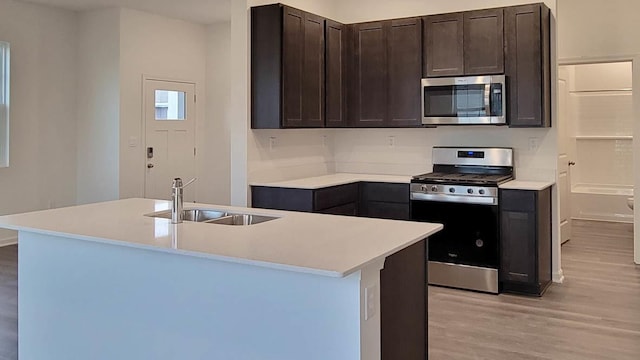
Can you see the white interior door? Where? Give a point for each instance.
(170, 133)
(564, 160)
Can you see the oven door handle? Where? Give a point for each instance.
(478, 200)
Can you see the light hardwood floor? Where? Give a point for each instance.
(595, 314)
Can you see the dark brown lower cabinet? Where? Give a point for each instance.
(336, 200)
(384, 200)
(525, 241)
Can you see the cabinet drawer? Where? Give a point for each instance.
(335, 196)
(385, 192)
(518, 200)
(281, 198)
(385, 210)
(349, 209)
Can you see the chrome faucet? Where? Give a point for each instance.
(176, 199)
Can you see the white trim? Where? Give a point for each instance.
(8, 241)
(558, 277)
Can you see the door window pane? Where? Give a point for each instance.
(170, 105)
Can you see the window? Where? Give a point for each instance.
(4, 104)
(170, 105)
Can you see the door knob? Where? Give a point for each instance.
(149, 166)
(571, 163)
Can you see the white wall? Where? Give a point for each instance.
(43, 108)
(214, 172)
(156, 46)
(98, 106)
(598, 28)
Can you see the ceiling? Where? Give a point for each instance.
(198, 11)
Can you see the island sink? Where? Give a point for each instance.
(210, 216)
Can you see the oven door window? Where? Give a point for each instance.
(455, 101)
(470, 234)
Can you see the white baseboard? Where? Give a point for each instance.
(8, 241)
(558, 277)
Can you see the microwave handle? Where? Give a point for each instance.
(487, 99)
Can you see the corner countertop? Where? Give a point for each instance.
(319, 182)
(326, 245)
(527, 185)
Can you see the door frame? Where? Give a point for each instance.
(635, 63)
(143, 123)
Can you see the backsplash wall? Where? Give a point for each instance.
(408, 151)
(277, 155)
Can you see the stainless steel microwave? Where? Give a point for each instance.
(471, 100)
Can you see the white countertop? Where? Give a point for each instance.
(527, 185)
(320, 244)
(319, 182)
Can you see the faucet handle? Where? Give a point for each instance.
(177, 183)
(190, 182)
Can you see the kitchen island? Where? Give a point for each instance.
(104, 281)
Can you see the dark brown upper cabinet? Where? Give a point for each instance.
(484, 42)
(368, 104)
(443, 47)
(469, 43)
(386, 73)
(336, 74)
(287, 68)
(405, 72)
(528, 65)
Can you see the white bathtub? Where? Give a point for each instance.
(601, 202)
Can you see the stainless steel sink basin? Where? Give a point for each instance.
(241, 219)
(215, 217)
(197, 215)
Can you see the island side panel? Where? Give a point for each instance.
(403, 302)
(89, 300)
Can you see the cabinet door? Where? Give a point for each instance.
(443, 50)
(336, 35)
(313, 71)
(369, 92)
(484, 42)
(518, 247)
(303, 69)
(292, 66)
(405, 72)
(528, 66)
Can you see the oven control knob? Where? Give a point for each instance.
(481, 191)
(423, 187)
(452, 190)
(470, 191)
(434, 188)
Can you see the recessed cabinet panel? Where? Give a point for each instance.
(405, 70)
(484, 42)
(370, 77)
(293, 46)
(443, 48)
(336, 35)
(313, 70)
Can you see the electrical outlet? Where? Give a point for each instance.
(272, 143)
(324, 140)
(391, 141)
(370, 295)
(534, 144)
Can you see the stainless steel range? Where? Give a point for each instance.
(462, 194)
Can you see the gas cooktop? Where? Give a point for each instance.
(462, 178)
